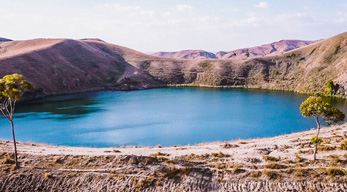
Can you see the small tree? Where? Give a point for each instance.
(12, 88)
(317, 108)
(247, 54)
(331, 87)
(316, 142)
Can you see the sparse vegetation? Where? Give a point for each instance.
(220, 155)
(271, 174)
(275, 166)
(316, 142)
(316, 107)
(228, 145)
(247, 54)
(331, 88)
(270, 158)
(343, 145)
(12, 88)
(48, 175)
(335, 172)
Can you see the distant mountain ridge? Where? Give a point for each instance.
(4, 39)
(258, 51)
(187, 54)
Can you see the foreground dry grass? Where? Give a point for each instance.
(269, 164)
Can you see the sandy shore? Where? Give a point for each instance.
(239, 149)
(279, 163)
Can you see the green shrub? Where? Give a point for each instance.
(331, 87)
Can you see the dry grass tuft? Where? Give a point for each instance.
(343, 145)
(219, 155)
(271, 174)
(228, 145)
(48, 175)
(271, 158)
(275, 166)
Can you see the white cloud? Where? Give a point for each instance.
(262, 5)
(147, 12)
(166, 14)
(119, 7)
(289, 16)
(182, 7)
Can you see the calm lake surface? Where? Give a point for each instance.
(168, 116)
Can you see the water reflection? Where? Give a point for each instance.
(61, 107)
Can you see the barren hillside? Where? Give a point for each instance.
(59, 66)
(305, 69)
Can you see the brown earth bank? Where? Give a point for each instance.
(282, 163)
(64, 66)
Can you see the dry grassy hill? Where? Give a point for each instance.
(306, 69)
(59, 66)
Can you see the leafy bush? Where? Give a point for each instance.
(316, 140)
(331, 87)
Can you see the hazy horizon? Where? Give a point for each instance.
(153, 26)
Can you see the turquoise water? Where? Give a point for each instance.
(168, 116)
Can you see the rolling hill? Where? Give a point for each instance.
(60, 66)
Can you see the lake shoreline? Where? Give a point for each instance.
(45, 96)
(283, 159)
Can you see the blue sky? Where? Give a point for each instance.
(168, 25)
